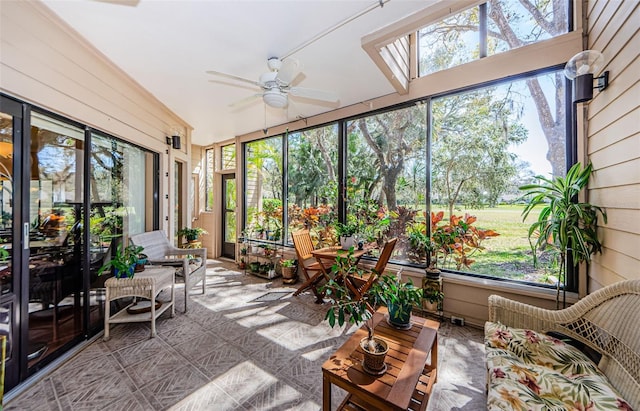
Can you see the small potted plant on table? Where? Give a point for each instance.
(346, 233)
(359, 311)
(123, 261)
(399, 297)
(192, 234)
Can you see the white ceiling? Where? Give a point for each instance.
(167, 46)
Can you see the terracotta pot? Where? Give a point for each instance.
(289, 274)
(373, 362)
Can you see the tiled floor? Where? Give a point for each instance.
(232, 353)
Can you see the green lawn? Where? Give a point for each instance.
(508, 255)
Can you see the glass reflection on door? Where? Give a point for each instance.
(55, 237)
(6, 201)
(8, 298)
(229, 215)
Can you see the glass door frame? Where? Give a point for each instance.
(228, 248)
(16, 361)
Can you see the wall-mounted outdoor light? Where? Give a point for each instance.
(581, 69)
(175, 142)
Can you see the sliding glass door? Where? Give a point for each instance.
(68, 197)
(56, 249)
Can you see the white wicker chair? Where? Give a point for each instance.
(608, 321)
(159, 251)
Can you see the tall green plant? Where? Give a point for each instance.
(567, 225)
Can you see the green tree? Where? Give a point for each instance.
(313, 155)
(394, 139)
(470, 136)
(512, 24)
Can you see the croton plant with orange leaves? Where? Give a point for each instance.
(457, 238)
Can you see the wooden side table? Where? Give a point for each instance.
(408, 380)
(146, 284)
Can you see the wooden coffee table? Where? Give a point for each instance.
(408, 380)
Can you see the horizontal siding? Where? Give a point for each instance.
(616, 131)
(627, 102)
(620, 174)
(48, 54)
(626, 197)
(623, 220)
(603, 17)
(621, 241)
(613, 142)
(616, 264)
(619, 151)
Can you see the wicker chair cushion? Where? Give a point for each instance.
(533, 371)
(531, 347)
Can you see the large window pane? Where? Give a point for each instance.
(229, 157)
(485, 144)
(449, 43)
(509, 24)
(264, 189)
(56, 248)
(121, 186)
(512, 25)
(386, 175)
(313, 182)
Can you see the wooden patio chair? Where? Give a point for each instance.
(314, 272)
(359, 285)
(160, 252)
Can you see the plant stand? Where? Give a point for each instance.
(261, 258)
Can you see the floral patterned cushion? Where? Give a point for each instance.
(532, 371)
(535, 348)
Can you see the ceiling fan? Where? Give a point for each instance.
(276, 84)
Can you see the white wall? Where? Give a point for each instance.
(45, 62)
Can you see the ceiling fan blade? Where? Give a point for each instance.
(245, 100)
(251, 87)
(244, 80)
(314, 94)
(289, 70)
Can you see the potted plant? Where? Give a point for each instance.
(569, 227)
(433, 297)
(359, 311)
(141, 260)
(345, 233)
(399, 297)
(242, 264)
(254, 266)
(123, 261)
(191, 234)
(288, 271)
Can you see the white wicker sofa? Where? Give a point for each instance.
(527, 369)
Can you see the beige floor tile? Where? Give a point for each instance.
(232, 353)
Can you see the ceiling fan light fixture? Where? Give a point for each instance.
(274, 63)
(275, 98)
